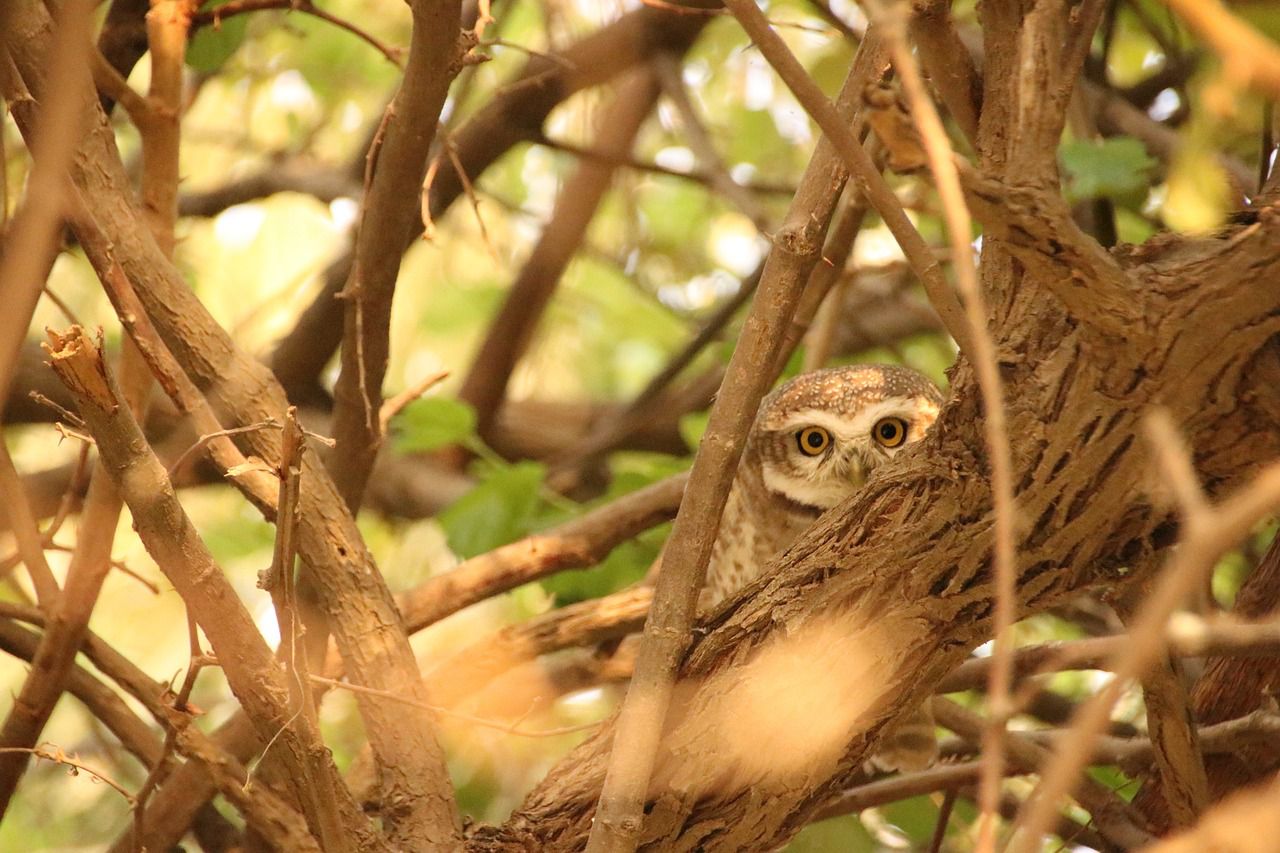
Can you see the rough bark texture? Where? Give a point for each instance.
(905, 567)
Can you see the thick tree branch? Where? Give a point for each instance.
(948, 63)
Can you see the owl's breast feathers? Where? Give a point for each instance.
(757, 524)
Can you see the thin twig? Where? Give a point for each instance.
(50, 752)
(393, 406)
(982, 355)
(1207, 536)
(279, 579)
(205, 439)
(860, 164)
(214, 17)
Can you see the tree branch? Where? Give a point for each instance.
(579, 543)
(171, 539)
(864, 173)
(353, 593)
(797, 248)
(388, 221)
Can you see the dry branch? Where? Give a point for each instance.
(173, 542)
(266, 812)
(515, 114)
(353, 593)
(388, 221)
(579, 543)
(982, 354)
(797, 248)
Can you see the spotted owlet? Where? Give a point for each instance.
(814, 442)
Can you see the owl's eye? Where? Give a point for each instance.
(889, 432)
(813, 440)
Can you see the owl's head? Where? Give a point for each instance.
(820, 435)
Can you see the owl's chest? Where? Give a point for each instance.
(750, 536)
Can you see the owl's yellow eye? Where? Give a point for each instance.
(889, 432)
(813, 440)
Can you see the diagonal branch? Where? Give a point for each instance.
(581, 542)
(862, 168)
(514, 115)
(797, 248)
(171, 539)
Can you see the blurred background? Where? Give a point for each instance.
(281, 108)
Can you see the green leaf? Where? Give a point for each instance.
(500, 509)
(1117, 168)
(1115, 779)
(846, 834)
(626, 564)
(213, 45)
(432, 423)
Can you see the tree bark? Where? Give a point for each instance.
(904, 569)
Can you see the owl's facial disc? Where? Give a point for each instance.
(818, 458)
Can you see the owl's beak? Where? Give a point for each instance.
(857, 472)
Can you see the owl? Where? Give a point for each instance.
(814, 442)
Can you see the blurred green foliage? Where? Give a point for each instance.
(1118, 168)
(279, 87)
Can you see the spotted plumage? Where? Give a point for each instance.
(814, 442)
